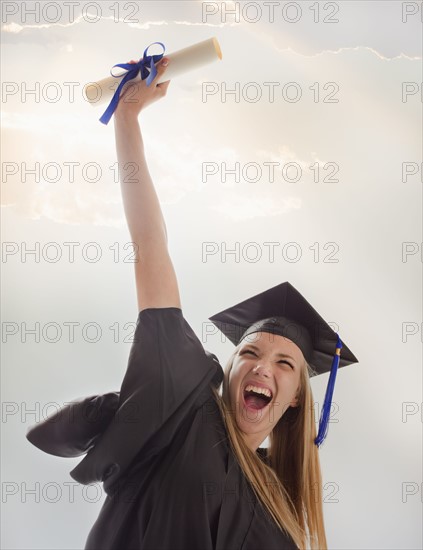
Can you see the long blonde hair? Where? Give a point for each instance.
(294, 468)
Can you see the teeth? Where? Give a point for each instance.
(264, 391)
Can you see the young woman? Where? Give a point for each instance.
(182, 465)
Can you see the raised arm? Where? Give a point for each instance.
(156, 281)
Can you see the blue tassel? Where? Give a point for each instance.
(325, 415)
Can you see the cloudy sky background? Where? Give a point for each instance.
(370, 293)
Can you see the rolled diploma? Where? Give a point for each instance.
(180, 63)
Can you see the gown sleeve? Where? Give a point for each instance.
(75, 428)
(168, 373)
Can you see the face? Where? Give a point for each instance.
(264, 360)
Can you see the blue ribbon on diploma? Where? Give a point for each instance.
(145, 66)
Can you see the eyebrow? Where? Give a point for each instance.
(278, 354)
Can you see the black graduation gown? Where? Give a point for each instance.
(161, 450)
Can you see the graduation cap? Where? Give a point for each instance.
(282, 310)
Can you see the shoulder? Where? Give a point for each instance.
(218, 377)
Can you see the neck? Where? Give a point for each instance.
(254, 440)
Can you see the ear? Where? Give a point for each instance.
(294, 402)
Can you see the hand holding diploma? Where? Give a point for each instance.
(180, 62)
(137, 95)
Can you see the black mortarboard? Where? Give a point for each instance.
(284, 311)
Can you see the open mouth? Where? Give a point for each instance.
(256, 400)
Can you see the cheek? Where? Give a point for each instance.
(235, 378)
(288, 382)
(232, 382)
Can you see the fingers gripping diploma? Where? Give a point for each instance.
(136, 96)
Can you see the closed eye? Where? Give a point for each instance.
(248, 351)
(282, 361)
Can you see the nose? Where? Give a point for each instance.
(261, 369)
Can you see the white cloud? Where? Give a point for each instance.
(15, 28)
(283, 154)
(348, 49)
(239, 207)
